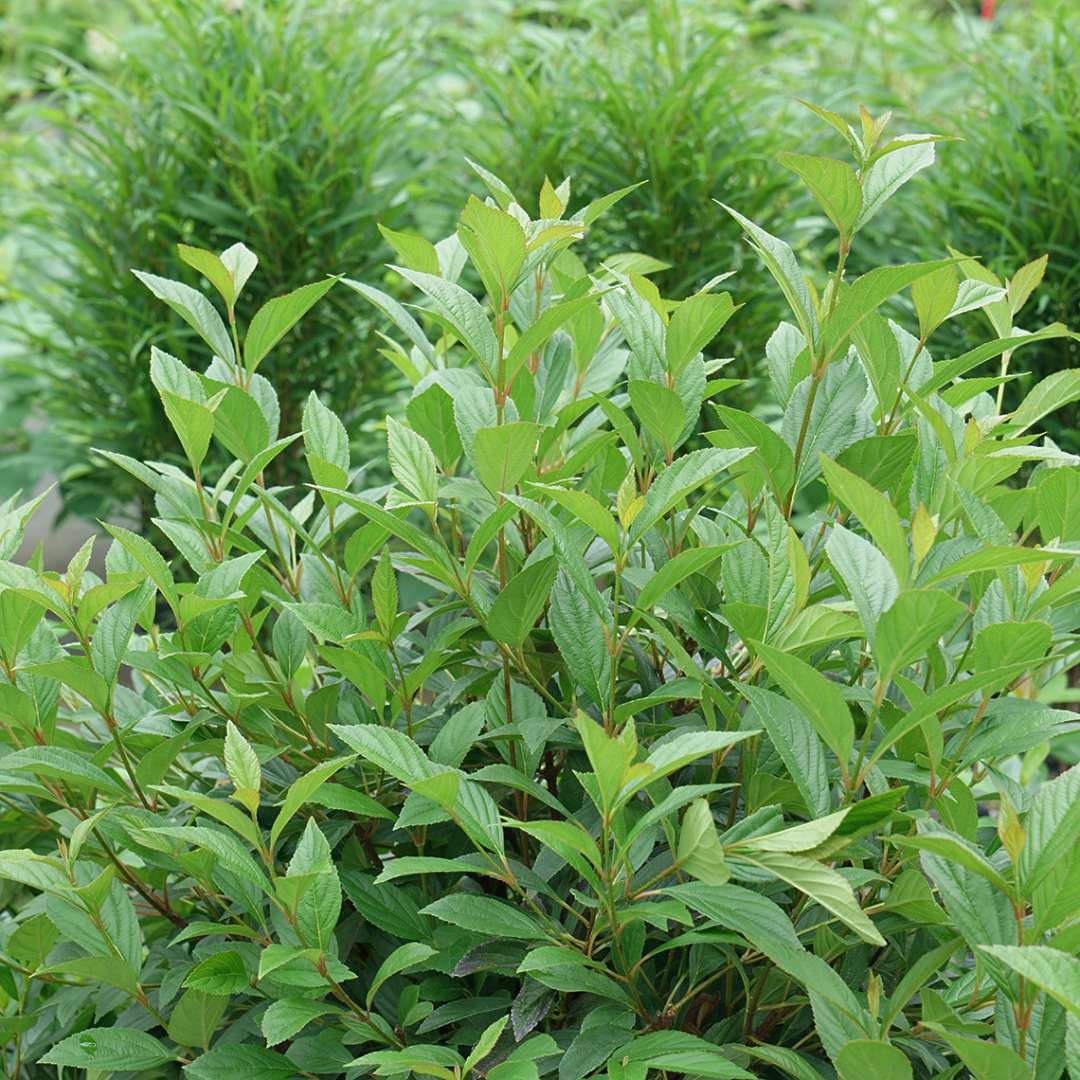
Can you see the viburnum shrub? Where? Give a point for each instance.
(587, 746)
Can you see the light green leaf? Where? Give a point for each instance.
(241, 1062)
(289, 1016)
(694, 323)
(412, 462)
(1050, 969)
(886, 175)
(503, 454)
(795, 741)
(877, 515)
(862, 1059)
(107, 1049)
(659, 409)
(818, 697)
(517, 607)
(780, 261)
(824, 886)
(461, 312)
(485, 915)
(277, 317)
(864, 296)
(301, 790)
(1056, 390)
(195, 310)
(914, 622)
(242, 765)
(403, 958)
(195, 1017)
(700, 853)
(833, 184)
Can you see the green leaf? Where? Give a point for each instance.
(412, 462)
(413, 251)
(495, 242)
(212, 268)
(864, 296)
(144, 553)
(289, 1016)
(1059, 505)
(1056, 972)
(196, 1017)
(241, 1062)
(242, 765)
(877, 515)
(301, 791)
(325, 434)
(517, 607)
(677, 481)
(1056, 390)
(818, 697)
(861, 1059)
(780, 261)
(803, 837)
(485, 915)
(676, 752)
(537, 334)
(742, 910)
(886, 175)
(945, 371)
(392, 751)
(934, 296)
(485, 1043)
(694, 323)
(688, 562)
(1053, 828)
(579, 634)
(824, 886)
(277, 317)
(700, 853)
(987, 1060)
(946, 845)
(109, 1048)
(195, 310)
(910, 626)
(586, 509)
(833, 184)
(222, 973)
(60, 764)
(659, 409)
(461, 313)
(327, 622)
(679, 1051)
(503, 454)
(610, 756)
(403, 958)
(795, 741)
(384, 594)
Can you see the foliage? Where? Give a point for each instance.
(671, 94)
(573, 747)
(77, 28)
(192, 141)
(1008, 191)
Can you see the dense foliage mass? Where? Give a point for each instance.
(587, 745)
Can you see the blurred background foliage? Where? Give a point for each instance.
(298, 127)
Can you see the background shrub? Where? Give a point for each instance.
(282, 124)
(1008, 191)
